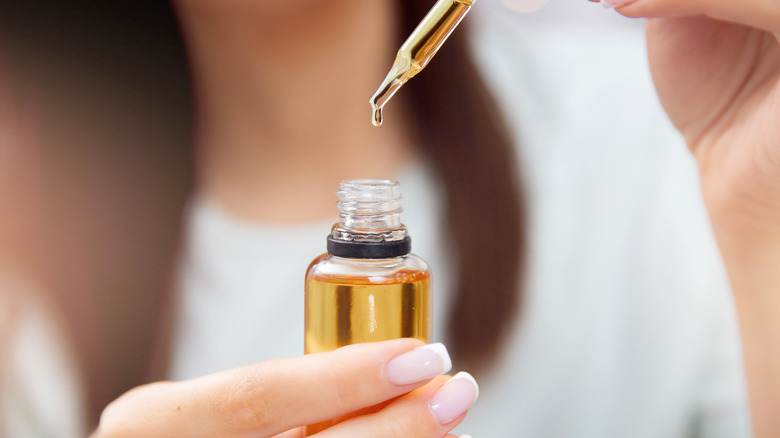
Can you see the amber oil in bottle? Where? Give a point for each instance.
(368, 287)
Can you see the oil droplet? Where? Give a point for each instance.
(376, 119)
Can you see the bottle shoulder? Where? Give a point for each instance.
(405, 269)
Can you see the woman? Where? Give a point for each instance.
(245, 98)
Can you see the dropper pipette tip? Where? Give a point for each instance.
(376, 117)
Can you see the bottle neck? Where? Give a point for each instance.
(369, 223)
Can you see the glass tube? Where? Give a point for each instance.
(418, 50)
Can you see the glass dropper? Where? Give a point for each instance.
(418, 50)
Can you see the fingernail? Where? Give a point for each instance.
(420, 364)
(616, 3)
(454, 398)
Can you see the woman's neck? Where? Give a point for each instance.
(282, 108)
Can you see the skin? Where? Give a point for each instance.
(264, 118)
(267, 125)
(273, 398)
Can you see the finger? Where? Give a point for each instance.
(431, 411)
(293, 433)
(272, 397)
(762, 14)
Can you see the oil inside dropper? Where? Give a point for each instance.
(418, 50)
(402, 70)
(376, 118)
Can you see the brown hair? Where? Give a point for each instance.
(466, 139)
(118, 172)
(108, 90)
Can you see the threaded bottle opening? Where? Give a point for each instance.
(369, 204)
(369, 220)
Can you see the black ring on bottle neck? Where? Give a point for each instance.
(369, 250)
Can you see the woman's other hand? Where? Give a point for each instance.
(276, 398)
(716, 66)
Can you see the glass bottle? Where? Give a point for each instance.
(368, 287)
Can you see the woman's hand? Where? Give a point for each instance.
(276, 398)
(716, 65)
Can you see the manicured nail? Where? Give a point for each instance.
(616, 3)
(454, 398)
(420, 364)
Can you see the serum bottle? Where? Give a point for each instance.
(368, 287)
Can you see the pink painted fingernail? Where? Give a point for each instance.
(616, 3)
(420, 364)
(454, 398)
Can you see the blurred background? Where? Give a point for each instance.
(624, 326)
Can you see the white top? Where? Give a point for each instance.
(628, 328)
(39, 395)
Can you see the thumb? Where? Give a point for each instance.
(762, 14)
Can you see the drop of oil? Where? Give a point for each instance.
(376, 119)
